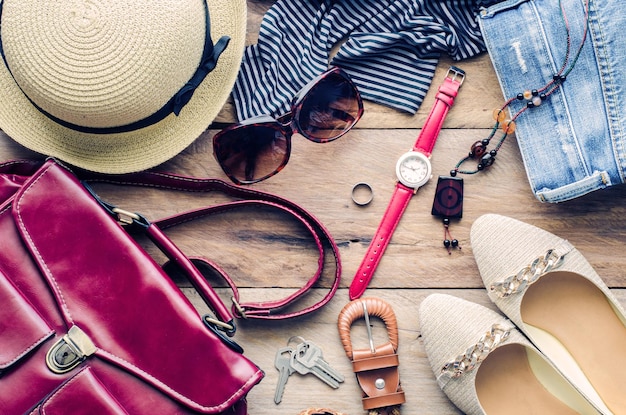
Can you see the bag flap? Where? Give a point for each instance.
(13, 174)
(22, 328)
(82, 394)
(106, 284)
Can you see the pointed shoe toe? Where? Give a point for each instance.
(486, 366)
(553, 295)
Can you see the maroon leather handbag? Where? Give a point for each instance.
(90, 323)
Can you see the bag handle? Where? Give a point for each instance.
(270, 310)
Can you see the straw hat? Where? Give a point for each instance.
(92, 82)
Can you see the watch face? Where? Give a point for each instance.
(413, 169)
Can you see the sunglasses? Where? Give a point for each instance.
(258, 148)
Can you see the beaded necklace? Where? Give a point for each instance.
(448, 202)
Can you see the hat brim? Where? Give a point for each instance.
(140, 149)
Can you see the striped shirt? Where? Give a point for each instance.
(390, 49)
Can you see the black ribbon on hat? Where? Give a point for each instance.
(207, 64)
(210, 56)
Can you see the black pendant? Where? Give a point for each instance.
(448, 201)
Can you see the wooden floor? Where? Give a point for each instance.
(269, 257)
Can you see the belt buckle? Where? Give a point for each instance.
(364, 308)
(376, 369)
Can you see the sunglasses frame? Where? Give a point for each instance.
(288, 123)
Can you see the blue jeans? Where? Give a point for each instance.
(575, 141)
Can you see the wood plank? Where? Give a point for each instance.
(319, 177)
(270, 256)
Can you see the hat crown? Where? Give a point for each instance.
(102, 64)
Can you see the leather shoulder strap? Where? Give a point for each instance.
(271, 310)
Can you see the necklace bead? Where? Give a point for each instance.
(499, 115)
(536, 101)
(508, 127)
(486, 160)
(478, 149)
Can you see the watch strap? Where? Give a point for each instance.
(399, 201)
(425, 143)
(444, 99)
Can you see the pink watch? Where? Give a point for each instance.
(413, 170)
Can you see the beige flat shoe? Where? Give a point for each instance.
(553, 295)
(486, 366)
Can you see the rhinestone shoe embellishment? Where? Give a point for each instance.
(552, 259)
(473, 355)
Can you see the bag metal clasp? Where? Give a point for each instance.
(69, 351)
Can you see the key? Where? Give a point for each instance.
(308, 358)
(313, 358)
(283, 364)
(304, 370)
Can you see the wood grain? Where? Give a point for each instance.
(269, 256)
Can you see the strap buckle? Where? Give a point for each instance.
(208, 319)
(223, 331)
(239, 308)
(366, 315)
(125, 217)
(456, 74)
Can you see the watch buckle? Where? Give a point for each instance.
(456, 74)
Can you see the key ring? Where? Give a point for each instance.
(362, 194)
(293, 339)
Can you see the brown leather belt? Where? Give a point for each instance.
(376, 368)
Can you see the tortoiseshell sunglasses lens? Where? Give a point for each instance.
(251, 153)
